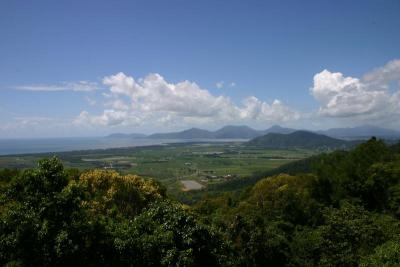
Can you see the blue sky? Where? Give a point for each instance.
(247, 62)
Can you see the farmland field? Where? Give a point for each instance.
(203, 163)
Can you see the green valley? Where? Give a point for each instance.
(206, 163)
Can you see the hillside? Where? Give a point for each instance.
(226, 132)
(344, 212)
(232, 131)
(298, 139)
(334, 209)
(278, 129)
(107, 219)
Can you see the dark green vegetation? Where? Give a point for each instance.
(50, 217)
(343, 212)
(299, 139)
(334, 209)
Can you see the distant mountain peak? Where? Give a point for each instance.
(276, 126)
(298, 139)
(245, 132)
(236, 131)
(278, 129)
(236, 127)
(194, 129)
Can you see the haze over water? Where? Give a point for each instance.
(25, 146)
(45, 145)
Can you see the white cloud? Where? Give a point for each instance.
(384, 75)
(154, 94)
(255, 109)
(366, 99)
(232, 84)
(109, 117)
(155, 101)
(220, 84)
(81, 86)
(117, 104)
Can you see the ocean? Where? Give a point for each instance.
(28, 146)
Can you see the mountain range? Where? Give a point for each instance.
(299, 139)
(245, 132)
(226, 132)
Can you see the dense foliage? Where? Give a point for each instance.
(344, 212)
(336, 209)
(100, 218)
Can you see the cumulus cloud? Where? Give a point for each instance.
(384, 75)
(117, 104)
(368, 98)
(81, 86)
(255, 109)
(109, 117)
(154, 100)
(341, 96)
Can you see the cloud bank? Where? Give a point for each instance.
(153, 100)
(373, 98)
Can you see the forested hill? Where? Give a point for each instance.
(231, 131)
(343, 212)
(342, 209)
(298, 139)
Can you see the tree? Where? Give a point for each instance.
(102, 218)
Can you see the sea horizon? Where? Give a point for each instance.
(21, 146)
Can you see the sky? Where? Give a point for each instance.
(90, 68)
